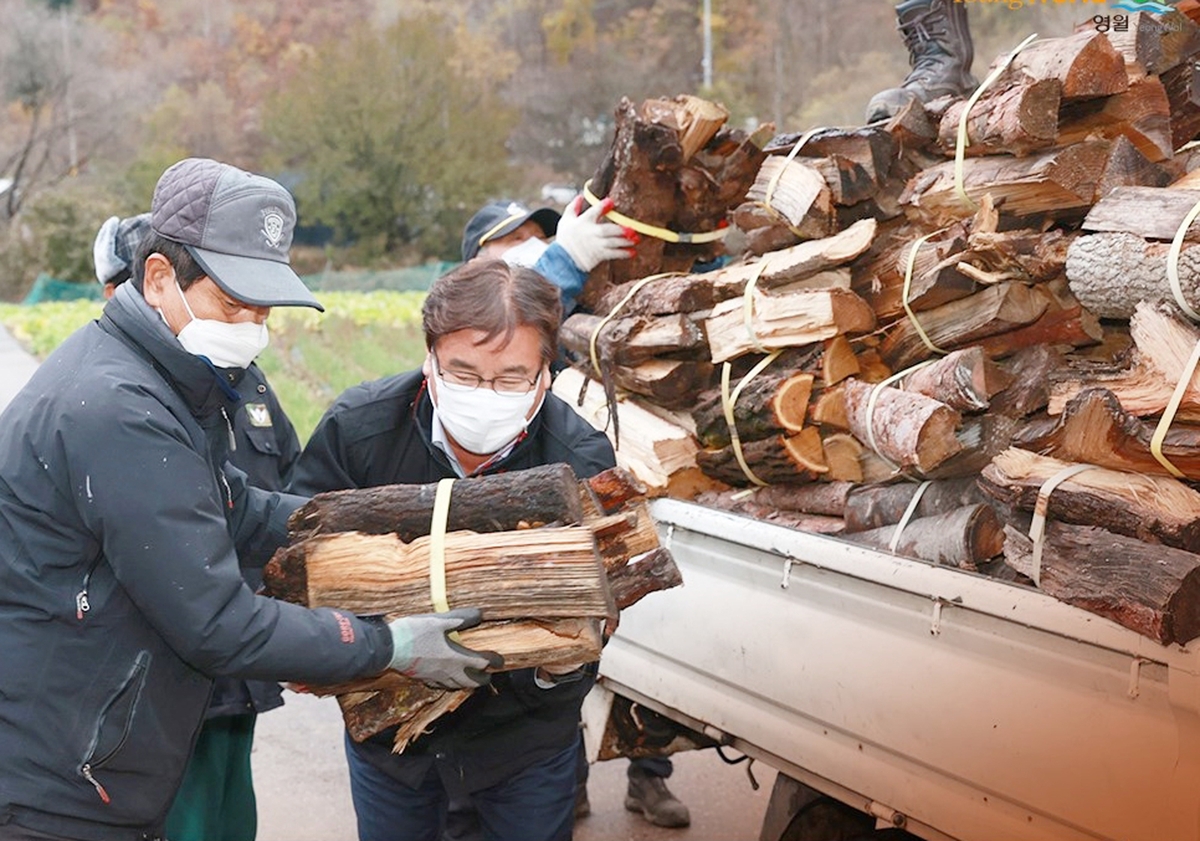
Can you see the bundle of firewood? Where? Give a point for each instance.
(546, 558)
(964, 335)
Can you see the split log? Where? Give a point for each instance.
(962, 538)
(872, 149)
(788, 194)
(1093, 428)
(785, 460)
(1164, 342)
(936, 278)
(1155, 43)
(668, 382)
(844, 455)
(788, 265)
(661, 296)
(648, 446)
(650, 176)
(1156, 509)
(1029, 390)
(1059, 183)
(1182, 84)
(826, 499)
(543, 572)
(1086, 64)
(911, 430)
(994, 310)
(518, 499)
(649, 573)
(964, 380)
(786, 320)
(980, 438)
(1017, 118)
(1154, 590)
(1142, 114)
(632, 341)
(1064, 322)
(1146, 212)
(828, 408)
(773, 403)
(874, 506)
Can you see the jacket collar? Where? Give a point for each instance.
(129, 317)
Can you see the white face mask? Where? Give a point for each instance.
(526, 253)
(481, 420)
(225, 345)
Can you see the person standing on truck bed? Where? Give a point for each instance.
(122, 524)
(216, 799)
(480, 404)
(510, 231)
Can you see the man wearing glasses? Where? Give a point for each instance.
(479, 404)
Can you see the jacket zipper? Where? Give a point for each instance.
(86, 770)
(229, 427)
(82, 604)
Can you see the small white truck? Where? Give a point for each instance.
(938, 702)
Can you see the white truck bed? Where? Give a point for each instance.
(975, 709)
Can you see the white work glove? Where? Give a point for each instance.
(589, 239)
(423, 651)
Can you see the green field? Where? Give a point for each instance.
(313, 356)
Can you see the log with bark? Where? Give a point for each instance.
(964, 380)
(873, 506)
(652, 175)
(1093, 428)
(963, 537)
(773, 403)
(910, 430)
(1155, 509)
(778, 459)
(1153, 590)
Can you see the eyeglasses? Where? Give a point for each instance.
(503, 384)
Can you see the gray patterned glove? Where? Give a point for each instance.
(422, 650)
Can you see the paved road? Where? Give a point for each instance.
(300, 770)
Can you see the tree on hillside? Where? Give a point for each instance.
(390, 141)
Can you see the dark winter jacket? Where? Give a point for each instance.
(378, 433)
(120, 590)
(265, 448)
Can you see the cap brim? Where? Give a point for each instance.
(262, 283)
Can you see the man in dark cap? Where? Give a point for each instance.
(122, 525)
(510, 231)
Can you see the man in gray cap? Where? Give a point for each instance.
(216, 798)
(122, 524)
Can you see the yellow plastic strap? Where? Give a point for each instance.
(613, 312)
(748, 305)
(908, 513)
(774, 182)
(1037, 529)
(960, 146)
(728, 401)
(908, 273)
(653, 230)
(879, 386)
(1164, 423)
(437, 549)
(1173, 262)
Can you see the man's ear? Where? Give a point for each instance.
(157, 277)
(427, 365)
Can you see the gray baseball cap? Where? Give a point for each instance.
(237, 225)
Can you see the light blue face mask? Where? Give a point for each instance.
(224, 344)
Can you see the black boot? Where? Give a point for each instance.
(648, 794)
(940, 53)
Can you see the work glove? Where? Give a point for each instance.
(589, 239)
(423, 651)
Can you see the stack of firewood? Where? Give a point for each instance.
(546, 558)
(915, 343)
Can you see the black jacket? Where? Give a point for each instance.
(265, 449)
(378, 433)
(120, 590)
